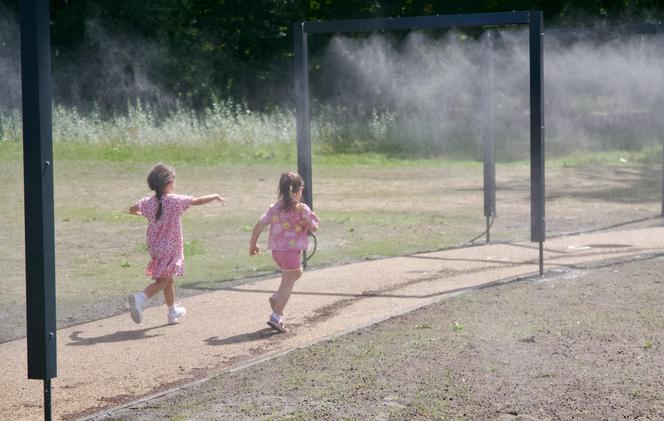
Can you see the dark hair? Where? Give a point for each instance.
(289, 183)
(158, 179)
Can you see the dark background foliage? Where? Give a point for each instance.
(190, 52)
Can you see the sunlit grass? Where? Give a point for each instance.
(646, 155)
(372, 205)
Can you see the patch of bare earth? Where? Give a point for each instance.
(584, 343)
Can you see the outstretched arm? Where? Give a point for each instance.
(207, 199)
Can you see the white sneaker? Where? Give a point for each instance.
(136, 307)
(175, 313)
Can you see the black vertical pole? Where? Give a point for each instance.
(489, 136)
(303, 114)
(302, 111)
(537, 228)
(38, 191)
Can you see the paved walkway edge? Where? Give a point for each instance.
(113, 363)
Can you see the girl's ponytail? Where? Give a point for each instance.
(289, 183)
(160, 208)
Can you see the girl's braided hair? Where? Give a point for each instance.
(158, 179)
(289, 183)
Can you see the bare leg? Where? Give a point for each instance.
(282, 296)
(158, 285)
(169, 292)
(136, 302)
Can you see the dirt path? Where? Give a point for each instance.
(109, 362)
(576, 344)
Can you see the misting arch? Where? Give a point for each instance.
(533, 19)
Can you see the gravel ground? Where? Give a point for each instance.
(584, 343)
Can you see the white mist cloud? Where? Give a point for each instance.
(599, 94)
(10, 55)
(108, 68)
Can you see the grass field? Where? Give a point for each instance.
(101, 252)
(370, 205)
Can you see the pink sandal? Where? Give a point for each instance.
(279, 326)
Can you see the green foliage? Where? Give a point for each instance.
(239, 50)
(229, 133)
(193, 248)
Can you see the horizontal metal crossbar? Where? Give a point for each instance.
(417, 22)
(627, 29)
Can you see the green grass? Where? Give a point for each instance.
(88, 214)
(372, 205)
(203, 155)
(213, 150)
(100, 248)
(647, 155)
(193, 248)
(212, 154)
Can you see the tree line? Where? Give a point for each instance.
(191, 52)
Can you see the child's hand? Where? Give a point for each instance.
(134, 210)
(253, 250)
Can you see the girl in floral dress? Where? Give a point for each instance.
(289, 222)
(164, 237)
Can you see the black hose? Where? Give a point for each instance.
(484, 233)
(310, 255)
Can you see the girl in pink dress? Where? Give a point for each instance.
(163, 211)
(289, 222)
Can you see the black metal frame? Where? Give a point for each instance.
(533, 19)
(38, 192)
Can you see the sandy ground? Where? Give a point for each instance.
(108, 363)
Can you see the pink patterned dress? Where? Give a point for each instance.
(288, 229)
(165, 234)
